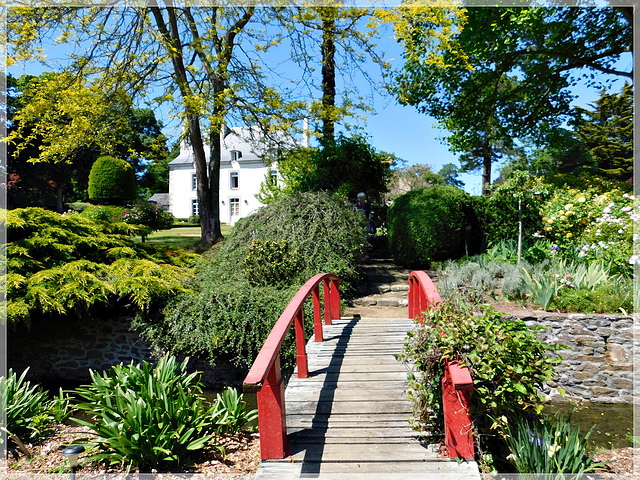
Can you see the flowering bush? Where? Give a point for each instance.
(598, 226)
(150, 215)
(610, 236)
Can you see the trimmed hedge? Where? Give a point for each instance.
(112, 181)
(433, 224)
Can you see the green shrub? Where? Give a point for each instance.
(431, 224)
(79, 206)
(223, 320)
(271, 263)
(547, 446)
(147, 416)
(65, 264)
(234, 302)
(508, 362)
(327, 233)
(194, 220)
(112, 181)
(29, 410)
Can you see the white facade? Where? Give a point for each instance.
(242, 172)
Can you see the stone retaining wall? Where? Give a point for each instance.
(599, 365)
(64, 352)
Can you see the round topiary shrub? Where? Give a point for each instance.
(112, 181)
(432, 224)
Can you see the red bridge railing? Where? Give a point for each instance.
(265, 376)
(457, 382)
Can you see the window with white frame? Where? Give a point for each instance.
(234, 205)
(234, 182)
(195, 207)
(194, 182)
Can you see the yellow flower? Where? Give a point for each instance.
(548, 229)
(569, 214)
(582, 199)
(568, 206)
(544, 219)
(569, 235)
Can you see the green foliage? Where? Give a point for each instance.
(346, 167)
(431, 224)
(324, 229)
(608, 133)
(614, 296)
(547, 446)
(508, 362)
(499, 213)
(112, 180)
(271, 263)
(29, 411)
(147, 416)
(231, 412)
(596, 226)
(235, 299)
(225, 320)
(65, 264)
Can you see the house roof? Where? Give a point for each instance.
(160, 198)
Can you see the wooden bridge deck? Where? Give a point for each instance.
(349, 419)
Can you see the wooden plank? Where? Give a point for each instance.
(350, 418)
(440, 470)
(341, 408)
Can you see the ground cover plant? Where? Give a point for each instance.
(139, 416)
(554, 283)
(547, 446)
(30, 413)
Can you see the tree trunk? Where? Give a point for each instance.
(328, 15)
(214, 181)
(487, 158)
(204, 191)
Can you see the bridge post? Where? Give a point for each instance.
(272, 417)
(301, 346)
(317, 321)
(327, 302)
(458, 432)
(335, 300)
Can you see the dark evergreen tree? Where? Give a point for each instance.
(607, 132)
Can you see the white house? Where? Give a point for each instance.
(242, 171)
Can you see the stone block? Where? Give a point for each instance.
(617, 354)
(606, 331)
(621, 384)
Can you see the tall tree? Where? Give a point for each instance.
(195, 54)
(507, 71)
(607, 132)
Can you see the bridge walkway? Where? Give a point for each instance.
(350, 419)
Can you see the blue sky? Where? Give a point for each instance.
(393, 128)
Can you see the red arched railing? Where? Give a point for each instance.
(265, 377)
(456, 383)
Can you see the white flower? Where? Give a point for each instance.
(551, 451)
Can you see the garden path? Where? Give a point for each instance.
(350, 419)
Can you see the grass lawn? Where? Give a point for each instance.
(184, 237)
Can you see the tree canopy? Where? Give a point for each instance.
(506, 74)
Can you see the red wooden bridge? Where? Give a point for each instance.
(346, 413)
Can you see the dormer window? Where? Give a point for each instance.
(236, 155)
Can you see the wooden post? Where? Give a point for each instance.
(327, 302)
(301, 346)
(272, 418)
(335, 300)
(458, 432)
(317, 321)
